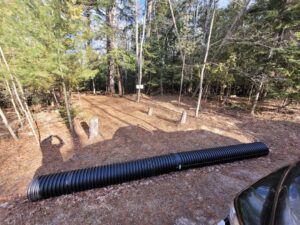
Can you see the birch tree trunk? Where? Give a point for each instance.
(181, 79)
(110, 20)
(3, 117)
(68, 107)
(204, 64)
(141, 59)
(12, 98)
(24, 99)
(182, 52)
(15, 91)
(260, 87)
(137, 39)
(94, 87)
(149, 17)
(120, 83)
(13, 102)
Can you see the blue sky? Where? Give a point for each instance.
(223, 3)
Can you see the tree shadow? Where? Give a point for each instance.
(128, 143)
(85, 128)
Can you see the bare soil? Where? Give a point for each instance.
(195, 196)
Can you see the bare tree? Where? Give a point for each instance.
(137, 35)
(182, 75)
(68, 107)
(258, 92)
(94, 86)
(3, 117)
(8, 88)
(149, 17)
(55, 97)
(110, 45)
(23, 106)
(204, 64)
(141, 59)
(182, 52)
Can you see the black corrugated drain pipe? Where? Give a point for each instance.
(51, 185)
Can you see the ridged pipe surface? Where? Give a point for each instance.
(51, 185)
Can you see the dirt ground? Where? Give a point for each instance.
(195, 196)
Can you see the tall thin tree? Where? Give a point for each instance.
(141, 59)
(204, 64)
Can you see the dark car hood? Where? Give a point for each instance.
(275, 199)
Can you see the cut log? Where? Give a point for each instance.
(150, 111)
(183, 117)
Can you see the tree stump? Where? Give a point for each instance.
(183, 117)
(150, 111)
(93, 127)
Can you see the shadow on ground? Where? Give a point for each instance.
(128, 143)
(195, 196)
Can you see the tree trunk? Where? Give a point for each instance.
(23, 97)
(181, 80)
(149, 17)
(15, 91)
(120, 87)
(3, 117)
(141, 60)
(55, 98)
(250, 93)
(195, 92)
(182, 52)
(161, 86)
(94, 87)
(79, 97)
(206, 27)
(204, 64)
(227, 95)
(175, 24)
(13, 102)
(190, 85)
(206, 92)
(68, 107)
(176, 31)
(11, 94)
(222, 92)
(260, 87)
(110, 20)
(284, 104)
(137, 40)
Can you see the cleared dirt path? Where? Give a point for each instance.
(196, 196)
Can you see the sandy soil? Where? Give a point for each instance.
(196, 196)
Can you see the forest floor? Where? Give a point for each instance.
(195, 196)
